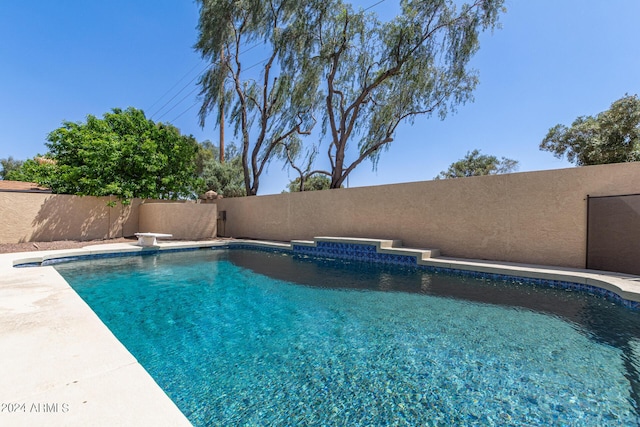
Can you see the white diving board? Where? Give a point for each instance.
(150, 239)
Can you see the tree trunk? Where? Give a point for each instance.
(222, 114)
(338, 169)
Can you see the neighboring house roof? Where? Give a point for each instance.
(22, 187)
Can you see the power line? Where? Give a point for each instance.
(196, 103)
(178, 93)
(178, 103)
(176, 84)
(191, 81)
(256, 64)
(374, 5)
(181, 114)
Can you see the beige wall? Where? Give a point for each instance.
(183, 220)
(33, 217)
(36, 217)
(534, 217)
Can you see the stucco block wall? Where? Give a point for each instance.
(184, 220)
(531, 217)
(32, 217)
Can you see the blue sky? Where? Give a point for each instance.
(552, 61)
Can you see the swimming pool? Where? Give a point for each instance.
(240, 337)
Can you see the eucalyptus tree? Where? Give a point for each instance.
(362, 75)
(268, 106)
(377, 75)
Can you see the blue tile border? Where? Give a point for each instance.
(248, 246)
(353, 251)
(28, 264)
(356, 252)
(65, 259)
(369, 253)
(558, 284)
(363, 252)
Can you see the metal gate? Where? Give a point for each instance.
(613, 233)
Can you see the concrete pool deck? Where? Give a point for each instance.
(60, 365)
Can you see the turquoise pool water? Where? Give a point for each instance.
(240, 337)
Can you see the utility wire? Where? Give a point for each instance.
(179, 92)
(178, 103)
(176, 84)
(191, 81)
(181, 114)
(374, 5)
(196, 103)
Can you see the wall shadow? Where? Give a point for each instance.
(64, 217)
(613, 234)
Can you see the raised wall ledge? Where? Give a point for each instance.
(393, 247)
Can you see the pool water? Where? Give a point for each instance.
(241, 337)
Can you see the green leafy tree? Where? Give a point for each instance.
(225, 178)
(476, 164)
(266, 110)
(312, 183)
(206, 152)
(612, 136)
(123, 154)
(39, 169)
(8, 165)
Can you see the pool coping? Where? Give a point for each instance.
(60, 365)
